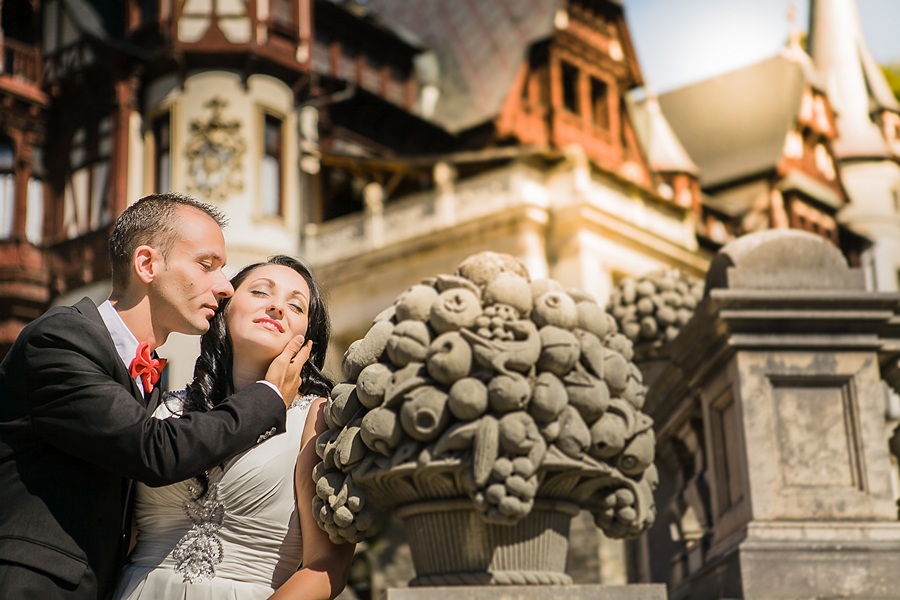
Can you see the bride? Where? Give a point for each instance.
(245, 529)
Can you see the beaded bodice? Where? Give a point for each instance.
(241, 525)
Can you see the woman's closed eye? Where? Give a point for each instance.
(297, 308)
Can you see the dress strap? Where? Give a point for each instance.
(303, 401)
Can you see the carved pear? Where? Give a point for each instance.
(559, 350)
(381, 430)
(408, 343)
(371, 384)
(449, 358)
(510, 289)
(574, 436)
(468, 399)
(508, 392)
(548, 398)
(415, 303)
(608, 435)
(366, 351)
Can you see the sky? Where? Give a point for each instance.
(682, 41)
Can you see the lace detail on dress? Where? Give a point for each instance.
(200, 550)
(302, 401)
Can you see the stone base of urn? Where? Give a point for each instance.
(453, 546)
(559, 592)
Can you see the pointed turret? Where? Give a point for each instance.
(665, 153)
(854, 82)
(868, 133)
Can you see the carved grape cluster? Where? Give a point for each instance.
(655, 308)
(504, 377)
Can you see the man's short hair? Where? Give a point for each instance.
(150, 221)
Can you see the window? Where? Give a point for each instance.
(270, 170)
(7, 187)
(162, 161)
(280, 12)
(570, 87)
(149, 10)
(824, 162)
(347, 61)
(86, 201)
(34, 215)
(371, 74)
(396, 84)
(600, 103)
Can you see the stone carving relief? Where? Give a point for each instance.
(653, 309)
(486, 386)
(214, 151)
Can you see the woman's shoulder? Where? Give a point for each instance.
(171, 405)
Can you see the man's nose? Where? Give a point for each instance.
(222, 287)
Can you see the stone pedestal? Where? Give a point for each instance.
(775, 404)
(560, 592)
(452, 545)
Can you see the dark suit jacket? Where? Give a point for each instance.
(74, 430)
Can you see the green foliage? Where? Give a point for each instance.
(892, 73)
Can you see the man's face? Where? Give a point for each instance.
(185, 293)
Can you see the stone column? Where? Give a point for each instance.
(780, 372)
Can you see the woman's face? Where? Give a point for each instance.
(268, 309)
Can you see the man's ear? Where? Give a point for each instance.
(146, 262)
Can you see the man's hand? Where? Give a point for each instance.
(284, 371)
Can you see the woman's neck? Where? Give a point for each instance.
(244, 374)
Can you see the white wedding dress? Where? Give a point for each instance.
(240, 540)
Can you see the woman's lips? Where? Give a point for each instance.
(271, 324)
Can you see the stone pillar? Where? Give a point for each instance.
(775, 389)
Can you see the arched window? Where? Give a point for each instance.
(7, 186)
(271, 203)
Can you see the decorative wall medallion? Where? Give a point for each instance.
(214, 151)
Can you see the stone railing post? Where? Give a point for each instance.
(778, 378)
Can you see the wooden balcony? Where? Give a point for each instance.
(21, 73)
(21, 61)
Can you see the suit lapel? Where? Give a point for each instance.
(153, 400)
(87, 307)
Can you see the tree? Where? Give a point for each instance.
(892, 73)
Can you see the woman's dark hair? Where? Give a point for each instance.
(212, 372)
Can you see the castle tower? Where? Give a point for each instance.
(868, 127)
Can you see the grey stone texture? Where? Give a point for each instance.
(561, 592)
(775, 473)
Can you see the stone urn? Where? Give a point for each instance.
(486, 410)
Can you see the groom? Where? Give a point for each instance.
(75, 403)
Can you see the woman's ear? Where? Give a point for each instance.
(145, 261)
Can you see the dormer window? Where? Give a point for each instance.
(793, 145)
(821, 114)
(824, 162)
(600, 103)
(570, 88)
(806, 107)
